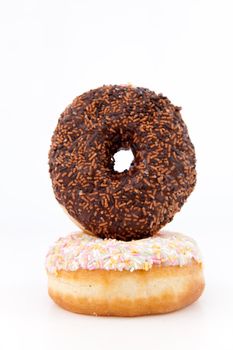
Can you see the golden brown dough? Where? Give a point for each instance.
(162, 289)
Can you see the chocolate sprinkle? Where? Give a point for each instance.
(137, 202)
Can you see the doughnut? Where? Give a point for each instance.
(135, 203)
(108, 277)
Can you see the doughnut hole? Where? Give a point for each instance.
(123, 160)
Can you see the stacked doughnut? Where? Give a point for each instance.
(121, 263)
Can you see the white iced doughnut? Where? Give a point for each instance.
(98, 276)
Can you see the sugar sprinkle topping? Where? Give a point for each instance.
(82, 251)
(135, 203)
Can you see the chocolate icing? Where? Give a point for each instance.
(135, 203)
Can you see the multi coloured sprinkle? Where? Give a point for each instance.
(83, 251)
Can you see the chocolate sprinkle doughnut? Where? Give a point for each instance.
(137, 202)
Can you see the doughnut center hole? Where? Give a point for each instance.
(122, 160)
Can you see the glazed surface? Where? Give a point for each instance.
(82, 251)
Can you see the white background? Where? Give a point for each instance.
(52, 51)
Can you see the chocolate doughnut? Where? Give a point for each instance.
(137, 202)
